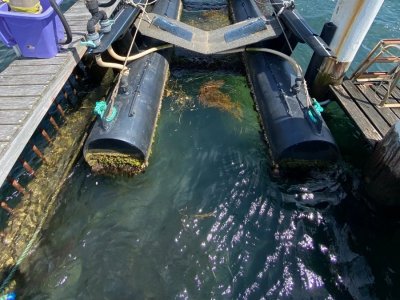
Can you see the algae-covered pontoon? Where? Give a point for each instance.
(296, 132)
(121, 138)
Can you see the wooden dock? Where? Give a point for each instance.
(361, 103)
(28, 87)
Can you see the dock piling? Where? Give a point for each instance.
(353, 19)
(382, 172)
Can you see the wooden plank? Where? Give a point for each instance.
(369, 110)
(21, 80)
(15, 103)
(78, 22)
(3, 146)
(396, 94)
(78, 31)
(79, 5)
(397, 89)
(30, 90)
(381, 91)
(32, 70)
(7, 132)
(354, 112)
(375, 99)
(39, 62)
(12, 117)
(72, 53)
(77, 10)
(73, 17)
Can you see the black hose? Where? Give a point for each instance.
(63, 21)
(107, 4)
(96, 17)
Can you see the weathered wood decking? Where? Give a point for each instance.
(360, 102)
(29, 86)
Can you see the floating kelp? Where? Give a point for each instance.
(210, 95)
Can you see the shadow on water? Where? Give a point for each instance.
(207, 220)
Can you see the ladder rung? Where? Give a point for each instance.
(374, 76)
(387, 59)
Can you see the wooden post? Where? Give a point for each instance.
(353, 18)
(382, 171)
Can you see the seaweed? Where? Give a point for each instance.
(210, 95)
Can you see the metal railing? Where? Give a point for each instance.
(381, 54)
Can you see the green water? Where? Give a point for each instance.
(207, 220)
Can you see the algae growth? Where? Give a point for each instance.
(38, 205)
(115, 163)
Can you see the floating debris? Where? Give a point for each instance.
(181, 99)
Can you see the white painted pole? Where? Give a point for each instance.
(353, 19)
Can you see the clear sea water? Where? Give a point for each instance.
(207, 220)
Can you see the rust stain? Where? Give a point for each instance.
(346, 31)
(331, 73)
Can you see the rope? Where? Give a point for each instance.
(115, 90)
(308, 98)
(139, 5)
(286, 5)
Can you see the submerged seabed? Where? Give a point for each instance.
(207, 220)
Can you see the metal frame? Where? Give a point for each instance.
(379, 55)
